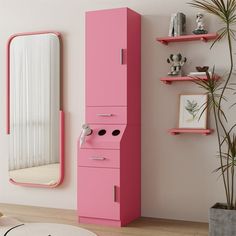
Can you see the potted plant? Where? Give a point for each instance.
(222, 216)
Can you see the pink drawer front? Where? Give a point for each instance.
(106, 115)
(99, 158)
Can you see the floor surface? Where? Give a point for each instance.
(140, 227)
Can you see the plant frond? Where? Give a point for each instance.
(221, 34)
(204, 106)
(231, 128)
(209, 7)
(232, 105)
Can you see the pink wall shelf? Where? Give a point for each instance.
(191, 37)
(169, 80)
(176, 131)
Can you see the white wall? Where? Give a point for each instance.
(176, 170)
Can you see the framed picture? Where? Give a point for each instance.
(192, 111)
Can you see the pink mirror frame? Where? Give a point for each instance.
(62, 117)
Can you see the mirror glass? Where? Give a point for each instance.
(35, 157)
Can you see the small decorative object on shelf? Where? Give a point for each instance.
(177, 24)
(200, 25)
(197, 74)
(202, 68)
(176, 62)
(201, 71)
(192, 111)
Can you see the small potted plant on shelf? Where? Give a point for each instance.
(222, 216)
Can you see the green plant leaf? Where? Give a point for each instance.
(225, 11)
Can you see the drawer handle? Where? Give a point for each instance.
(121, 56)
(105, 115)
(114, 193)
(98, 158)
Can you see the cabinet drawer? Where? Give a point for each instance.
(99, 158)
(106, 115)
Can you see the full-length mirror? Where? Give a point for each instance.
(34, 109)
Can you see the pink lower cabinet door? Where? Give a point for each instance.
(99, 195)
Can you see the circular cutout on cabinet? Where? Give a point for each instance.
(101, 132)
(115, 132)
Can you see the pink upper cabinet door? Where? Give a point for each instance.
(106, 49)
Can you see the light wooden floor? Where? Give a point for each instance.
(141, 227)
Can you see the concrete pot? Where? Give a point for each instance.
(222, 222)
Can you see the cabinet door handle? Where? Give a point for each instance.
(114, 193)
(121, 56)
(97, 158)
(104, 115)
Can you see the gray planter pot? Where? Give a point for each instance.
(222, 222)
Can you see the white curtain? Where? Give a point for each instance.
(34, 101)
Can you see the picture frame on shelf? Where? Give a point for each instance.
(193, 111)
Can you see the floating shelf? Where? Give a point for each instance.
(176, 131)
(191, 37)
(170, 79)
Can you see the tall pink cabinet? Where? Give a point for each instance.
(109, 162)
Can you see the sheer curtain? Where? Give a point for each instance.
(34, 101)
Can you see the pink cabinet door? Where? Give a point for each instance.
(106, 43)
(98, 193)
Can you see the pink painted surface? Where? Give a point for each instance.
(112, 88)
(130, 175)
(106, 38)
(169, 80)
(191, 131)
(191, 37)
(62, 148)
(130, 158)
(134, 68)
(99, 158)
(62, 160)
(106, 115)
(62, 118)
(107, 141)
(99, 193)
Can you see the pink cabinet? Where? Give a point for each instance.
(109, 161)
(106, 65)
(99, 194)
